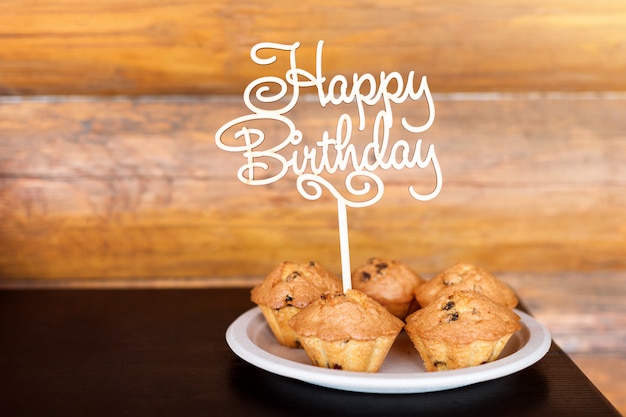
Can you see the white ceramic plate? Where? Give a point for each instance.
(403, 372)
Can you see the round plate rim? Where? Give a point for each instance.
(535, 340)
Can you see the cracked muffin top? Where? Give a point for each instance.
(295, 284)
(340, 316)
(464, 276)
(461, 317)
(386, 280)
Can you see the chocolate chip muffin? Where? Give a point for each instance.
(289, 288)
(391, 283)
(347, 331)
(461, 329)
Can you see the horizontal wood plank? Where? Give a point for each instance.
(586, 315)
(606, 373)
(137, 189)
(584, 311)
(183, 47)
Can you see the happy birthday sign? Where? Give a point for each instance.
(270, 158)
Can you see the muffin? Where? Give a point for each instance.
(464, 276)
(348, 331)
(389, 282)
(461, 329)
(289, 288)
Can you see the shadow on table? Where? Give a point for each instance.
(280, 395)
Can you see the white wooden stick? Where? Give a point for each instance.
(344, 245)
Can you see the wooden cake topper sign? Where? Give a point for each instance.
(268, 159)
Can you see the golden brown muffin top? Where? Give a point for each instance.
(464, 276)
(461, 317)
(340, 316)
(386, 280)
(294, 284)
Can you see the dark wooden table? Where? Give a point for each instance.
(163, 352)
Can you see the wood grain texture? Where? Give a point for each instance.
(137, 189)
(586, 315)
(606, 373)
(188, 47)
(585, 312)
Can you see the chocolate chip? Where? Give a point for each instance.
(311, 263)
(448, 306)
(365, 276)
(288, 300)
(380, 267)
(337, 366)
(453, 317)
(438, 364)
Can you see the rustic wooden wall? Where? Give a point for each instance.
(109, 170)
(132, 188)
(181, 46)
